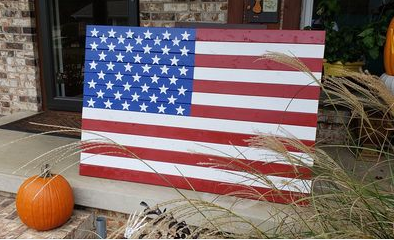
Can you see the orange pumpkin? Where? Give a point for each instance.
(389, 50)
(45, 202)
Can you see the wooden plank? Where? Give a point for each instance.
(292, 14)
(235, 11)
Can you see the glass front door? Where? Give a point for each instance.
(63, 25)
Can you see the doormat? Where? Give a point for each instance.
(53, 118)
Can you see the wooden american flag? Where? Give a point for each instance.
(178, 97)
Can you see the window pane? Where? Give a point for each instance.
(68, 20)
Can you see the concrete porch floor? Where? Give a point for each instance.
(124, 197)
(119, 196)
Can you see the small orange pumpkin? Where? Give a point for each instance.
(45, 202)
(389, 50)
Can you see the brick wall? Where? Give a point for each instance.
(164, 13)
(19, 77)
(331, 126)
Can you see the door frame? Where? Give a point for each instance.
(306, 13)
(46, 63)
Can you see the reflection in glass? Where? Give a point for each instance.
(68, 19)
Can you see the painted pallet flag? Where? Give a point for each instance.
(179, 97)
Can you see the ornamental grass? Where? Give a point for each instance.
(344, 202)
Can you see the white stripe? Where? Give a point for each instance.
(256, 76)
(221, 150)
(181, 170)
(258, 49)
(244, 127)
(254, 102)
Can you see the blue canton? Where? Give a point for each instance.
(139, 69)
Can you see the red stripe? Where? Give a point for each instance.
(252, 62)
(241, 165)
(262, 36)
(172, 132)
(257, 89)
(254, 115)
(215, 187)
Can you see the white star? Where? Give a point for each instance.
(174, 61)
(173, 80)
(145, 88)
(182, 91)
(125, 105)
(185, 36)
(118, 76)
(183, 70)
(119, 57)
(128, 67)
(129, 48)
(117, 95)
(126, 87)
(180, 110)
(111, 33)
(138, 40)
(129, 34)
(175, 41)
(157, 40)
(161, 108)
(121, 39)
(91, 102)
(165, 50)
(153, 98)
(110, 65)
(108, 104)
(163, 89)
(135, 97)
(102, 56)
(94, 32)
(92, 84)
(184, 51)
(147, 49)
(166, 35)
(94, 46)
(143, 107)
(164, 69)
(109, 85)
(171, 100)
(156, 60)
(136, 77)
(100, 94)
(111, 47)
(137, 58)
(155, 79)
(147, 34)
(103, 39)
(146, 68)
(93, 65)
(101, 75)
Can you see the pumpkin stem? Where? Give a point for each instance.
(46, 171)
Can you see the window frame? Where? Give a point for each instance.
(45, 47)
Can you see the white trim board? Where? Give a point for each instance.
(306, 13)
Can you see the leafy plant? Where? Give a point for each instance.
(373, 35)
(343, 45)
(351, 44)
